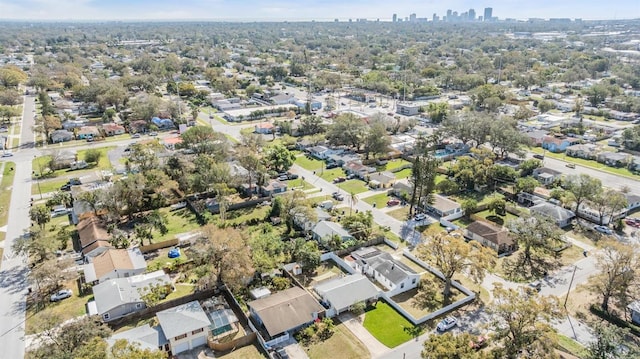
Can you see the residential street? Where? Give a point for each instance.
(13, 272)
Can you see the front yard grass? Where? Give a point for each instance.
(5, 193)
(58, 312)
(342, 344)
(393, 164)
(180, 221)
(405, 173)
(244, 215)
(387, 325)
(309, 163)
(44, 186)
(401, 214)
(380, 199)
(41, 163)
(299, 183)
(248, 352)
(353, 186)
(331, 174)
(496, 218)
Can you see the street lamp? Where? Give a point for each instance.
(40, 175)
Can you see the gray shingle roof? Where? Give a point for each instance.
(326, 229)
(345, 291)
(183, 319)
(551, 210)
(146, 336)
(115, 292)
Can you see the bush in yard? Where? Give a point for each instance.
(320, 331)
(280, 283)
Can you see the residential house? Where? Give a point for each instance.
(283, 99)
(273, 187)
(634, 163)
(634, 308)
(586, 151)
(326, 229)
(138, 126)
(285, 311)
(633, 201)
(381, 179)
(302, 104)
(613, 159)
(623, 116)
(115, 263)
(395, 276)
(170, 143)
(71, 124)
(116, 298)
(264, 128)
(561, 216)
(408, 108)
(112, 129)
(558, 144)
(319, 152)
(163, 123)
(546, 176)
(357, 169)
(536, 137)
(145, 337)
(443, 206)
(339, 294)
(58, 136)
(87, 132)
(306, 224)
(401, 188)
(93, 236)
(490, 235)
(185, 326)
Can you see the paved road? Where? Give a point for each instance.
(13, 272)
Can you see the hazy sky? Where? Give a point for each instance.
(306, 9)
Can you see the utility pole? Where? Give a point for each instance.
(570, 283)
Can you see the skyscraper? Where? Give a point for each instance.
(412, 17)
(472, 15)
(449, 12)
(488, 14)
(395, 17)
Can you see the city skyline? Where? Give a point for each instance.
(322, 10)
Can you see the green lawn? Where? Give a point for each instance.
(161, 260)
(182, 290)
(387, 325)
(481, 198)
(497, 219)
(180, 221)
(248, 352)
(58, 311)
(244, 215)
(5, 194)
(45, 186)
(380, 200)
(342, 344)
(567, 344)
(40, 164)
(401, 214)
(587, 163)
(331, 174)
(393, 164)
(308, 163)
(405, 173)
(300, 184)
(353, 186)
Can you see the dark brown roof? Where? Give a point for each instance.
(491, 232)
(91, 230)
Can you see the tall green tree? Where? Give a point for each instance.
(583, 187)
(535, 234)
(41, 215)
(278, 158)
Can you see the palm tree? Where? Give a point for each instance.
(353, 201)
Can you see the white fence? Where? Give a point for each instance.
(447, 221)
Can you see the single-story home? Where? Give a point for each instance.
(273, 187)
(633, 201)
(392, 274)
(170, 143)
(112, 129)
(326, 229)
(343, 292)
(586, 151)
(558, 144)
(561, 216)
(146, 337)
(86, 132)
(357, 169)
(115, 263)
(162, 123)
(613, 159)
(301, 221)
(185, 326)
(443, 206)
(546, 176)
(116, 298)
(381, 179)
(490, 235)
(401, 188)
(58, 136)
(536, 136)
(93, 235)
(264, 128)
(285, 311)
(319, 152)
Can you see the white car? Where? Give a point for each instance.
(7, 154)
(446, 324)
(60, 295)
(603, 229)
(420, 217)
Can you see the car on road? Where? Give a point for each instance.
(446, 324)
(603, 229)
(420, 217)
(393, 202)
(337, 196)
(135, 135)
(7, 154)
(633, 222)
(571, 165)
(339, 180)
(540, 157)
(153, 133)
(61, 294)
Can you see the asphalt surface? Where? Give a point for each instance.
(13, 271)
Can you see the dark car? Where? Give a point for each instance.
(331, 165)
(540, 157)
(339, 180)
(293, 176)
(66, 187)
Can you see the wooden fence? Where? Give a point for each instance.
(155, 246)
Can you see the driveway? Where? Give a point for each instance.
(354, 324)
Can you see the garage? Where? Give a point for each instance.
(199, 341)
(181, 347)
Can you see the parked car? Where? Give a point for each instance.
(603, 229)
(331, 165)
(135, 135)
(65, 187)
(59, 212)
(420, 217)
(60, 295)
(633, 222)
(74, 181)
(540, 157)
(339, 180)
(393, 202)
(281, 354)
(338, 196)
(292, 176)
(446, 324)
(283, 178)
(7, 154)
(153, 133)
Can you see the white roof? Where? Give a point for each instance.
(183, 319)
(345, 291)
